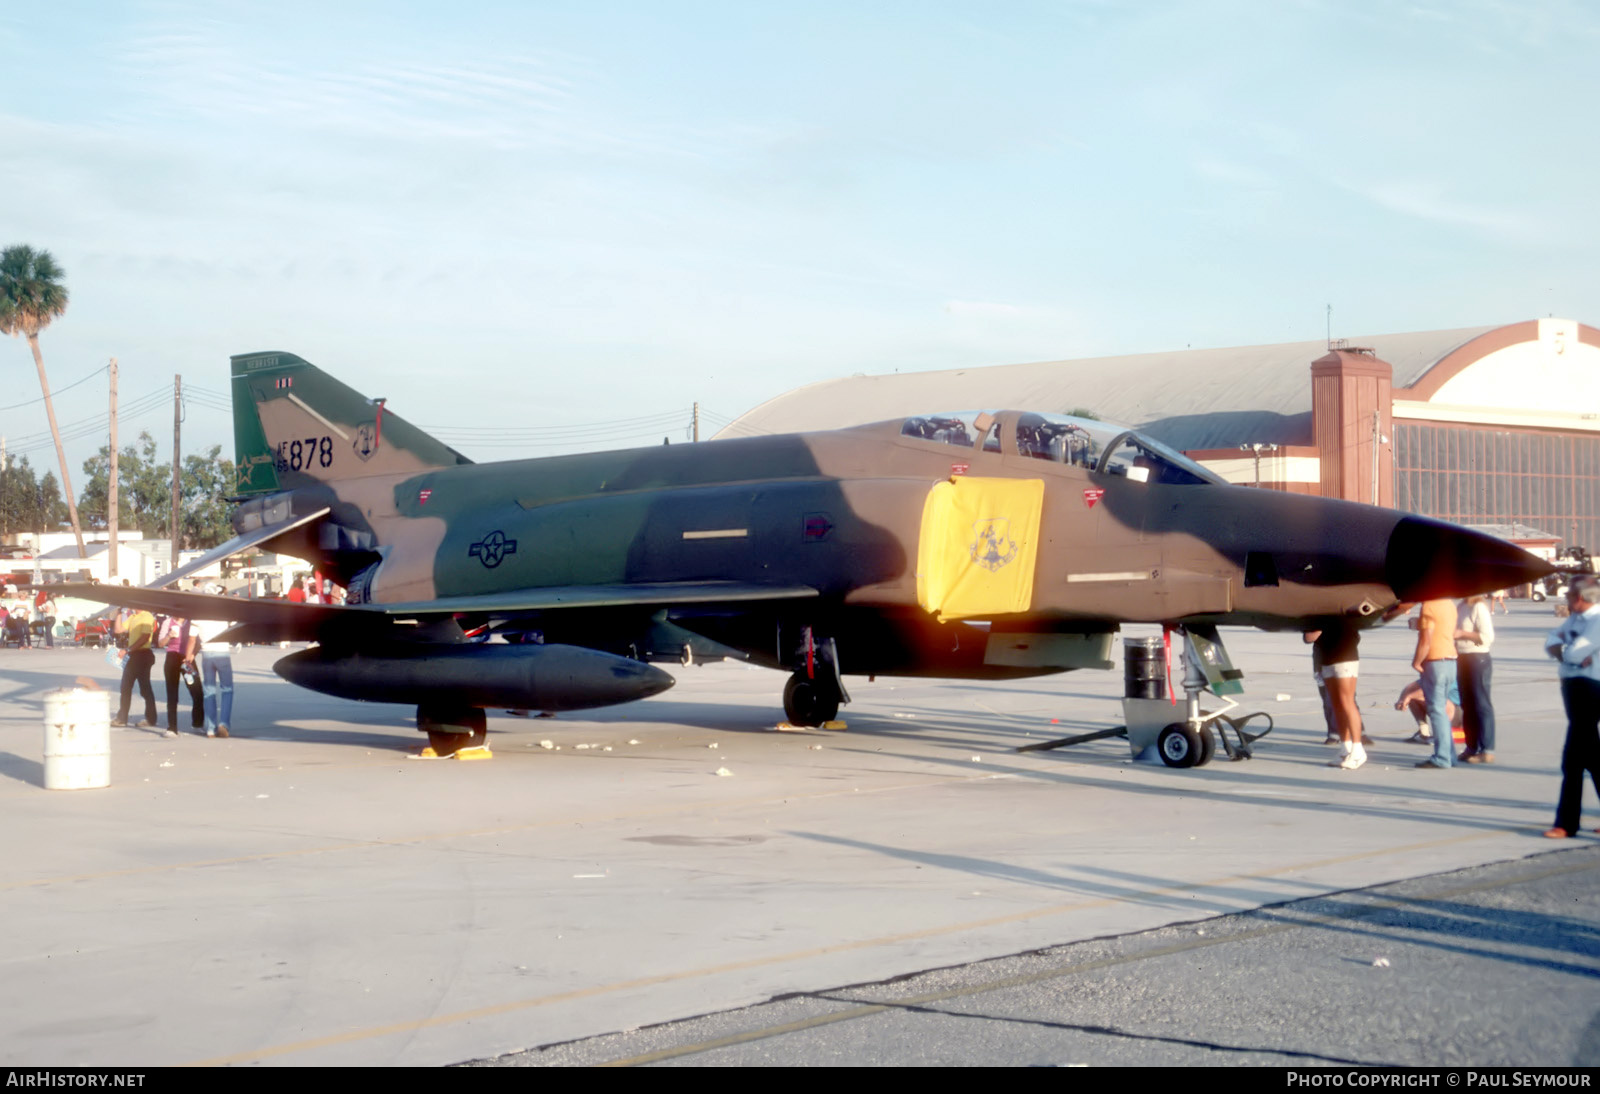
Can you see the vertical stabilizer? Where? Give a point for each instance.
(293, 424)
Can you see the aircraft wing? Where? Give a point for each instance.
(234, 546)
(284, 620)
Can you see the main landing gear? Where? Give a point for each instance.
(809, 702)
(813, 694)
(451, 729)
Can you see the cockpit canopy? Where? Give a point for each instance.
(1097, 446)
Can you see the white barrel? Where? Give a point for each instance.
(77, 739)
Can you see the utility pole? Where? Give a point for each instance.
(697, 423)
(111, 483)
(1257, 449)
(1378, 439)
(177, 424)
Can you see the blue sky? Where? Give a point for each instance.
(510, 216)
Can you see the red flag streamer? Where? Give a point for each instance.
(811, 646)
(1166, 653)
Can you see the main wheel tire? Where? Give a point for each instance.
(1208, 745)
(448, 744)
(1179, 745)
(809, 702)
(450, 731)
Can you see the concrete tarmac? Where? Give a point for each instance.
(306, 893)
(1494, 966)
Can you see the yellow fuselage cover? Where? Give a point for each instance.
(978, 546)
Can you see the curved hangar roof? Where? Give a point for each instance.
(1189, 399)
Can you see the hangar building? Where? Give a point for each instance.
(1480, 426)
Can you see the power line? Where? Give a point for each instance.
(88, 427)
(57, 391)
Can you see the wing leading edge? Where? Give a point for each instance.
(283, 620)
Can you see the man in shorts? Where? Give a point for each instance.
(1335, 648)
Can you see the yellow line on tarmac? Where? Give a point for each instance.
(514, 1006)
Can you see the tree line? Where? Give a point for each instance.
(30, 502)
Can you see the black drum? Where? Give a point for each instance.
(1144, 668)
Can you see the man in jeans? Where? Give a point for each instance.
(1435, 661)
(216, 668)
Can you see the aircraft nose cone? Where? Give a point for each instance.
(1429, 559)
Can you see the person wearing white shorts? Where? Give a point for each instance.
(1337, 644)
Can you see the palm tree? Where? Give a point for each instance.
(31, 295)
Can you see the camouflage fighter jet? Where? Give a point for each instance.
(974, 545)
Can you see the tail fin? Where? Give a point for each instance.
(294, 424)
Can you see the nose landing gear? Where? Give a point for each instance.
(1193, 741)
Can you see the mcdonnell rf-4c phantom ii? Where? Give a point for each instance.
(981, 545)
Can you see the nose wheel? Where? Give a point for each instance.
(1184, 745)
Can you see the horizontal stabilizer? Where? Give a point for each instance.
(234, 546)
(227, 609)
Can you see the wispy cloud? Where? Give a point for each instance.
(984, 309)
(1234, 174)
(1428, 201)
(397, 93)
(203, 73)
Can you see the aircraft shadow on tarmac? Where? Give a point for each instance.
(1158, 892)
(723, 717)
(1442, 924)
(1452, 926)
(1454, 808)
(758, 718)
(1357, 925)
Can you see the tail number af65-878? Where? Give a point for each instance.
(302, 454)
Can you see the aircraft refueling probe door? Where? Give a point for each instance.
(978, 547)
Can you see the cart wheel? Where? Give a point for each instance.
(1179, 745)
(1208, 746)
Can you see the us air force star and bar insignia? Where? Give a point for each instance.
(492, 549)
(993, 546)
